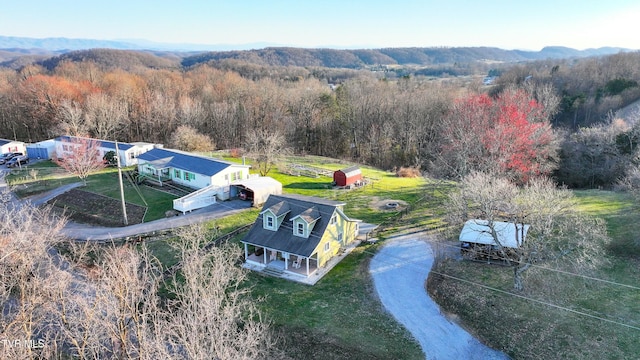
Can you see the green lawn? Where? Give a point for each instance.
(38, 177)
(48, 176)
(157, 202)
(527, 329)
(621, 213)
(340, 317)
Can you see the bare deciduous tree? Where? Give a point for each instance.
(71, 119)
(104, 115)
(28, 281)
(188, 138)
(212, 300)
(266, 148)
(559, 235)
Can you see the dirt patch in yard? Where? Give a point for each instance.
(95, 209)
(387, 204)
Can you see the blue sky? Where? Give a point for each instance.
(515, 24)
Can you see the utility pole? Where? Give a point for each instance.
(124, 206)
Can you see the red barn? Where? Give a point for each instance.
(348, 176)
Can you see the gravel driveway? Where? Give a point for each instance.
(399, 272)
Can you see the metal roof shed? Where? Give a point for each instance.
(258, 188)
(348, 176)
(479, 232)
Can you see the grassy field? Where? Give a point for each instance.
(156, 202)
(38, 177)
(46, 175)
(549, 326)
(340, 317)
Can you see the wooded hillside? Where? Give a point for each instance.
(386, 118)
(389, 56)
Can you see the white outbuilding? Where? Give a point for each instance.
(12, 146)
(508, 234)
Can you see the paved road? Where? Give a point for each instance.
(399, 272)
(89, 232)
(221, 209)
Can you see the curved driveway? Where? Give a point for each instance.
(215, 211)
(89, 232)
(399, 272)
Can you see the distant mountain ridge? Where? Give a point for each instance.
(289, 56)
(67, 44)
(13, 48)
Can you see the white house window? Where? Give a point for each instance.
(270, 222)
(300, 229)
(176, 173)
(327, 247)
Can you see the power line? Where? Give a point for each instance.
(562, 271)
(559, 307)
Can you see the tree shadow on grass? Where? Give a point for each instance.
(310, 186)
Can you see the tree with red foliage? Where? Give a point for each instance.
(80, 156)
(508, 135)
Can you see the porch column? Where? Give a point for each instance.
(246, 252)
(264, 255)
(307, 266)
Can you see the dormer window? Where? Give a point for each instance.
(304, 222)
(273, 216)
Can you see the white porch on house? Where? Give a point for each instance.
(289, 263)
(259, 263)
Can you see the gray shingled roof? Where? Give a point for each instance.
(163, 158)
(284, 239)
(310, 215)
(278, 209)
